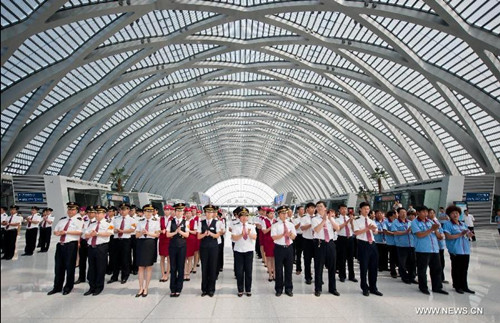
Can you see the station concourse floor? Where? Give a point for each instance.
(25, 282)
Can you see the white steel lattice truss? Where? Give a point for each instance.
(306, 96)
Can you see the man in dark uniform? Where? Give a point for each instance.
(68, 229)
(178, 231)
(45, 229)
(209, 231)
(32, 231)
(97, 235)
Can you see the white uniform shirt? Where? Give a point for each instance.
(297, 220)
(85, 226)
(130, 223)
(342, 232)
(34, 217)
(5, 217)
(469, 220)
(278, 228)
(305, 220)
(243, 245)
(104, 226)
(359, 224)
(13, 219)
(45, 223)
(75, 225)
(153, 227)
(321, 234)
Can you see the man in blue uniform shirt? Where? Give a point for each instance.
(405, 246)
(427, 251)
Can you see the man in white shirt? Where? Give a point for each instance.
(124, 227)
(32, 222)
(469, 222)
(305, 226)
(364, 229)
(345, 244)
(46, 229)
(12, 224)
(69, 230)
(298, 243)
(324, 227)
(4, 220)
(283, 233)
(243, 235)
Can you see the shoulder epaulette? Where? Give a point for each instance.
(64, 217)
(357, 217)
(141, 219)
(79, 218)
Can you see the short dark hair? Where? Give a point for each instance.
(300, 207)
(363, 204)
(421, 208)
(453, 208)
(390, 213)
(308, 205)
(321, 202)
(342, 205)
(400, 208)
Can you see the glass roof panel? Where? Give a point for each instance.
(241, 191)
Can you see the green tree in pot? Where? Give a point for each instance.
(118, 177)
(378, 175)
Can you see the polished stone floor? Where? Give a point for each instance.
(25, 282)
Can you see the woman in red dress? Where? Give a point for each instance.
(268, 242)
(190, 243)
(163, 243)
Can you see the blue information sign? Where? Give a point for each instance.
(477, 197)
(30, 197)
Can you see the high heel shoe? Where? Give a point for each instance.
(139, 294)
(144, 294)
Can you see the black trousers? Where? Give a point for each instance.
(83, 253)
(393, 259)
(308, 255)
(133, 245)
(472, 230)
(65, 260)
(177, 262)
(2, 239)
(98, 257)
(283, 263)
(257, 245)
(441, 260)
(459, 269)
(406, 257)
(382, 257)
(112, 259)
(44, 240)
(30, 241)
(243, 265)
(208, 258)
(10, 243)
(431, 260)
(298, 244)
(325, 255)
(368, 263)
(345, 248)
(123, 247)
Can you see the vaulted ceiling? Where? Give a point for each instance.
(305, 96)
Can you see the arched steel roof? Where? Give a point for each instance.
(305, 96)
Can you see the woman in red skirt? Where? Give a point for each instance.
(163, 243)
(190, 242)
(268, 242)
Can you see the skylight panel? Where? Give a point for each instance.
(14, 11)
(245, 29)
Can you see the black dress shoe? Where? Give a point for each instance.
(66, 292)
(240, 294)
(173, 294)
(277, 294)
(87, 293)
(204, 294)
(458, 290)
(249, 294)
(353, 280)
(342, 280)
(317, 294)
(426, 292)
(308, 282)
(123, 281)
(52, 292)
(413, 281)
(289, 293)
(469, 291)
(97, 292)
(377, 293)
(441, 292)
(366, 293)
(335, 292)
(26, 254)
(211, 294)
(79, 281)
(112, 280)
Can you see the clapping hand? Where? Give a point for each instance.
(435, 226)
